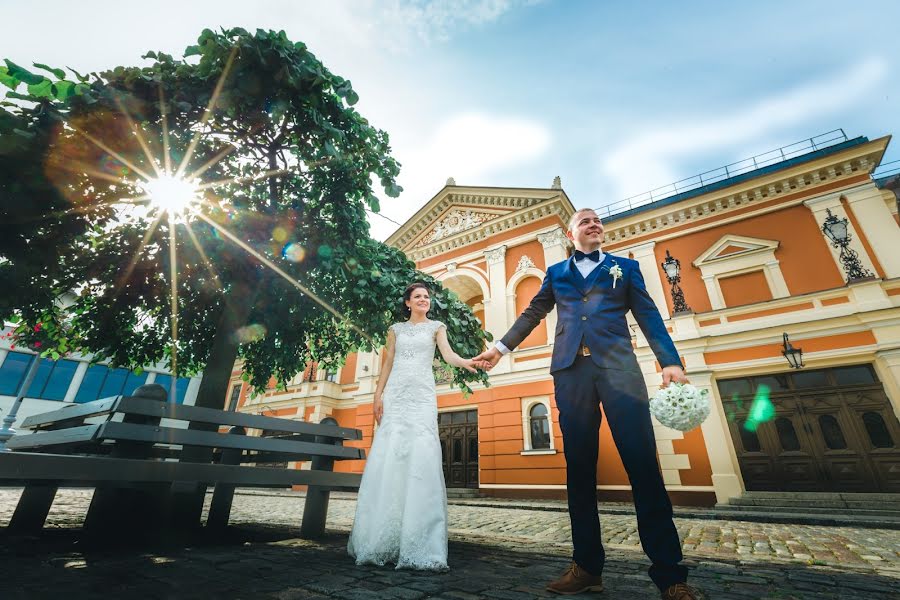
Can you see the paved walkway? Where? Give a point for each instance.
(495, 552)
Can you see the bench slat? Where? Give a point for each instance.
(71, 412)
(144, 406)
(55, 437)
(210, 439)
(90, 471)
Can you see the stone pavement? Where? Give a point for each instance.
(495, 552)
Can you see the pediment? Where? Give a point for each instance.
(456, 219)
(731, 246)
(462, 212)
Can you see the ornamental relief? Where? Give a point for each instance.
(455, 222)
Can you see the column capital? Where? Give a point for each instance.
(556, 237)
(820, 203)
(495, 255)
(641, 250)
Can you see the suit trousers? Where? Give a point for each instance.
(580, 390)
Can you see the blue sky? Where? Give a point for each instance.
(616, 98)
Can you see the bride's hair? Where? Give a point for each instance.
(408, 294)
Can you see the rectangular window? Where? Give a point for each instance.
(181, 386)
(57, 382)
(235, 397)
(89, 390)
(115, 382)
(12, 372)
(133, 382)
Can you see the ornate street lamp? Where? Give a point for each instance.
(836, 230)
(672, 268)
(793, 355)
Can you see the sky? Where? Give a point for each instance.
(615, 98)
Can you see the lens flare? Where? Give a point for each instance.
(170, 194)
(761, 410)
(293, 252)
(250, 333)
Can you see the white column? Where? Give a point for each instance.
(716, 300)
(555, 244)
(726, 473)
(876, 220)
(887, 365)
(190, 394)
(819, 207)
(496, 320)
(76, 381)
(652, 273)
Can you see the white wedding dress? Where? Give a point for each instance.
(401, 511)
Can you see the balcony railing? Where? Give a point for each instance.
(746, 165)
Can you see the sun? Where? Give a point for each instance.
(171, 194)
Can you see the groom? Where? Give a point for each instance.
(593, 363)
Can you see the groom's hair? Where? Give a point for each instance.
(576, 214)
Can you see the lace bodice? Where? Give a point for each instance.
(415, 343)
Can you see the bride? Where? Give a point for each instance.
(401, 510)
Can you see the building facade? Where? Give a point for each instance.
(757, 273)
(75, 380)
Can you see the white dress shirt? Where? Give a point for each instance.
(585, 266)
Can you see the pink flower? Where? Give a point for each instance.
(37, 344)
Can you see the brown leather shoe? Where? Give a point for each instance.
(575, 581)
(680, 591)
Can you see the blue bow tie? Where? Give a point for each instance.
(594, 256)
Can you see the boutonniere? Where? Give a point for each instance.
(616, 272)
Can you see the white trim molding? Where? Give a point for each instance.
(529, 402)
(736, 255)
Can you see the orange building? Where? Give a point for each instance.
(755, 266)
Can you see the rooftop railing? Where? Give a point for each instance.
(746, 165)
(886, 169)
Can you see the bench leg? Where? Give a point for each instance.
(32, 509)
(223, 496)
(315, 510)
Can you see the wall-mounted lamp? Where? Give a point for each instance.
(793, 355)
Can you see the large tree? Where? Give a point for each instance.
(271, 261)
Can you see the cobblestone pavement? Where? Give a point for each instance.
(494, 553)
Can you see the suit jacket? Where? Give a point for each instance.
(592, 312)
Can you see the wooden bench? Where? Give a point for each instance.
(132, 460)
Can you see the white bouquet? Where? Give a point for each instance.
(680, 406)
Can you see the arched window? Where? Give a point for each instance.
(539, 426)
(831, 431)
(787, 435)
(877, 430)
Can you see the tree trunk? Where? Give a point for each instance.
(186, 501)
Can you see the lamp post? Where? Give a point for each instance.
(793, 355)
(837, 232)
(672, 268)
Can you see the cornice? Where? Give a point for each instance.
(821, 174)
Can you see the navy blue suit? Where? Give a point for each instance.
(592, 312)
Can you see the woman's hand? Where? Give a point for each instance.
(472, 365)
(379, 408)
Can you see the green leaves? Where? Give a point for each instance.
(21, 74)
(281, 111)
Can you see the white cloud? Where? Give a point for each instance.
(472, 148)
(651, 158)
(436, 20)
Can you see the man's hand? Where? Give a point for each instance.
(673, 373)
(491, 357)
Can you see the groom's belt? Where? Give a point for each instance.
(583, 350)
